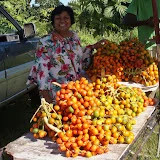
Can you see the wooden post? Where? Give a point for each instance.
(157, 36)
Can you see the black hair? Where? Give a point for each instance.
(61, 8)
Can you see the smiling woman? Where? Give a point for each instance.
(60, 57)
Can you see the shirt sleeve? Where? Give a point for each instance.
(133, 7)
(39, 73)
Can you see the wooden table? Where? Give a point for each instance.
(28, 148)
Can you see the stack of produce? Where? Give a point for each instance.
(128, 61)
(89, 116)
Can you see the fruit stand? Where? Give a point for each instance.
(99, 117)
(101, 114)
(26, 147)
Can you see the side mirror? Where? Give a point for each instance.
(29, 30)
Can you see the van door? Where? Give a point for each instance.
(3, 80)
(20, 56)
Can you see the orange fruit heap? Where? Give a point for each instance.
(91, 115)
(128, 61)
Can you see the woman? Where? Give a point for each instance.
(60, 57)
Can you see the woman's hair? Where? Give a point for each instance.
(61, 8)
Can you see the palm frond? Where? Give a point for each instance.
(109, 12)
(121, 9)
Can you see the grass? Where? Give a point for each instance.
(150, 148)
(147, 151)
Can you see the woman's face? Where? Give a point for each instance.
(62, 22)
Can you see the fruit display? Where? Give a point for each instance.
(128, 61)
(89, 116)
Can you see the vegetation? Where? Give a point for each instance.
(100, 15)
(104, 18)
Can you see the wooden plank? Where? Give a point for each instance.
(28, 148)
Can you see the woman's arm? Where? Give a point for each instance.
(39, 73)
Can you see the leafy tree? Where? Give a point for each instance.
(116, 10)
(99, 15)
(18, 10)
(48, 3)
(24, 13)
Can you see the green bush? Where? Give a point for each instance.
(87, 37)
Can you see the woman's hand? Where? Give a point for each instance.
(98, 44)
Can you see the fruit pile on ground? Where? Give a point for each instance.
(128, 61)
(89, 116)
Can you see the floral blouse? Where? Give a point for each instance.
(58, 60)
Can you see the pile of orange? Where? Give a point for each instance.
(128, 61)
(89, 116)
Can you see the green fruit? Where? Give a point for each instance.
(94, 121)
(35, 130)
(59, 116)
(119, 127)
(106, 127)
(108, 137)
(96, 114)
(119, 119)
(103, 98)
(128, 140)
(129, 126)
(99, 122)
(79, 96)
(71, 109)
